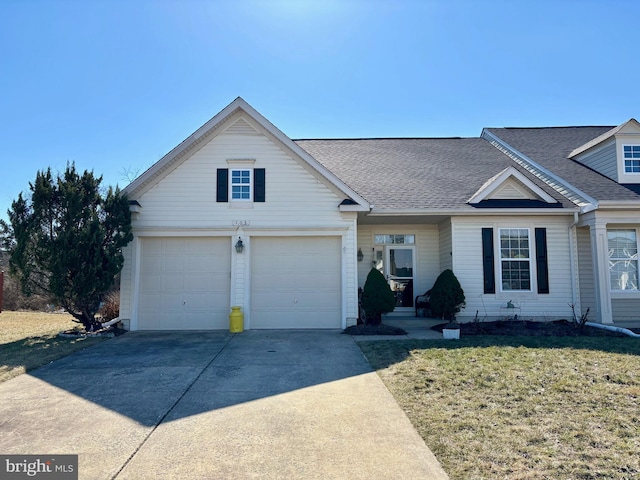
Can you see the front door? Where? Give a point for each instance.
(398, 268)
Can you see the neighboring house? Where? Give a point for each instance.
(539, 217)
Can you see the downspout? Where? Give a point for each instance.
(111, 322)
(575, 275)
(611, 328)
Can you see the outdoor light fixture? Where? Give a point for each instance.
(239, 245)
(360, 255)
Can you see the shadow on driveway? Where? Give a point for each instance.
(201, 405)
(143, 374)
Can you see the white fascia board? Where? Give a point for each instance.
(496, 182)
(353, 208)
(559, 184)
(240, 104)
(605, 136)
(596, 141)
(300, 152)
(181, 148)
(619, 204)
(473, 211)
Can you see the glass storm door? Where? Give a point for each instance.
(400, 265)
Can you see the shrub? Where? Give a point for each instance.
(447, 296)
(377, 297)
(110, 308)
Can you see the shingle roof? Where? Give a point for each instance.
(415, 173)
(550, 148)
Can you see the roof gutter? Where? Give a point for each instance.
(475, 211)
(619, 205)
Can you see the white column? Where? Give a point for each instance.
(136, 262)
(600, 255)
(239, 274)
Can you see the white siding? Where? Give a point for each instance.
(603, 160)
(467, 266)
(512, 189)
(298, 202)
(446, 251)
(585, 268)
(187, 196)
(126, 285)
(625, 309)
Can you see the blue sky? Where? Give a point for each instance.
(114, 85)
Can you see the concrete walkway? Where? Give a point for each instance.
(211, 405)
(417, 328)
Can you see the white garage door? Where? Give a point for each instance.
(184, 284)
(295, 282)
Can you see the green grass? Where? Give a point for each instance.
(520, 407)
(29, 340)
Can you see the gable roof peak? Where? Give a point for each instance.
(605, 136)
(162, 166)
(494, 183)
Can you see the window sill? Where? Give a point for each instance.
(240, 204)
(516, 295)
(618, 294)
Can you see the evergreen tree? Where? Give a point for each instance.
(66, 241)
(447, 296)
(377, 297)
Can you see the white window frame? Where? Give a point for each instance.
(634, 157)
(249, 185)
(632, 259)
(394, 239)
(528, 259)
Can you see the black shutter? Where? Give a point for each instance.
(542, 265)
(222, 189)
(487, 261)
(259, 185)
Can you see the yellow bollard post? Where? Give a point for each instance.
(236, 320)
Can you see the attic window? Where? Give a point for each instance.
(240, 184)
(631, 158)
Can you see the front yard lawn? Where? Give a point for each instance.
(29, 340)
(520, 407)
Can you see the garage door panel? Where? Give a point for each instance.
(296, 282)
(196, 264)
(171, 301)
(153, 246)
(184, 284)
(291, 263)
(153, 265)
(175, 264)
(150, 283)
(173, 282)
(200, 282)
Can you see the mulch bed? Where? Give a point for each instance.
(558, 328)
(105, 332)
(381, 329)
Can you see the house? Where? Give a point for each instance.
(240, 214)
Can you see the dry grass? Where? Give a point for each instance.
(520, 407)
(29, 340)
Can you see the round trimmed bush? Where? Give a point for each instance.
(377, 297)
(447, 296)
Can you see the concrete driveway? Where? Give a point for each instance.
(211, 405)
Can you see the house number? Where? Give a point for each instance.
(238, 223)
